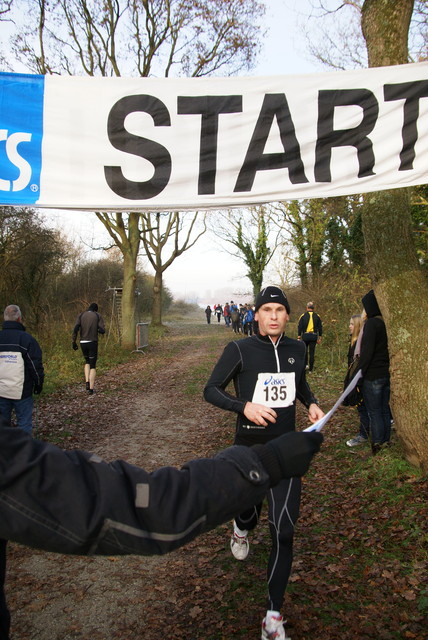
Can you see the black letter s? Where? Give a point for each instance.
(136, 145)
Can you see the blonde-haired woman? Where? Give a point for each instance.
(356, 324)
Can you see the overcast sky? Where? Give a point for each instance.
(205, 273)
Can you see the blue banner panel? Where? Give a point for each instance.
(21, 133)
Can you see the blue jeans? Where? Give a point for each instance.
(376, 399)
(364, 421)
(23, 410)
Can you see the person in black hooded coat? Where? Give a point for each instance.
(374, 365)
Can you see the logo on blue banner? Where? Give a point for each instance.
(21, 133)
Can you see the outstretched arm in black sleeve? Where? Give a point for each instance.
(74, 502)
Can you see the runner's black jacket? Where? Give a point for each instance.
(90, 324)
(242, 361)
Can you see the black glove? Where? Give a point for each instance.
(290, 455)
(38, 388)
(74, 345)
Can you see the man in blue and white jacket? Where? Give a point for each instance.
(21, 374)
(21, 369)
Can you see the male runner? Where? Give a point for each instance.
(90, 324)
(268, 372)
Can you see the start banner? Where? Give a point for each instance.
(197, 143)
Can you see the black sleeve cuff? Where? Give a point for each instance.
(270, 462)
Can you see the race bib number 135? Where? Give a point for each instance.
(275, 389)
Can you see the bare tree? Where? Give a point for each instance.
(124, 230)
(5, 7)
(334, 38)
(135, 38)
(171, 232)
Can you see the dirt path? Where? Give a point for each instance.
(150, 412)
(140, 413)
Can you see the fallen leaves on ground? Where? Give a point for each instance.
(356, 573)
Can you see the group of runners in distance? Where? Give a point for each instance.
(240, 317)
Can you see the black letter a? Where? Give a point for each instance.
(274, 105)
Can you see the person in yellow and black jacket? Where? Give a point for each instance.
(309, 330)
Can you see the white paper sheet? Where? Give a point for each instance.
(317, 426)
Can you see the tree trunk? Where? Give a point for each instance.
(128, 301)
(256, 283)
(157, 300)
(130, 249)
(385, 25)
(399, 283)
(402, 293)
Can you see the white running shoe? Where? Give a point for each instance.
(239, 546)
(273, 628)
(354, 442)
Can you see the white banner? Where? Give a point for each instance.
(197, 143)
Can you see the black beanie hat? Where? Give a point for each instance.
(93, 307)
(272, 294)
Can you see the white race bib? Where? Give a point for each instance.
(275, 389)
